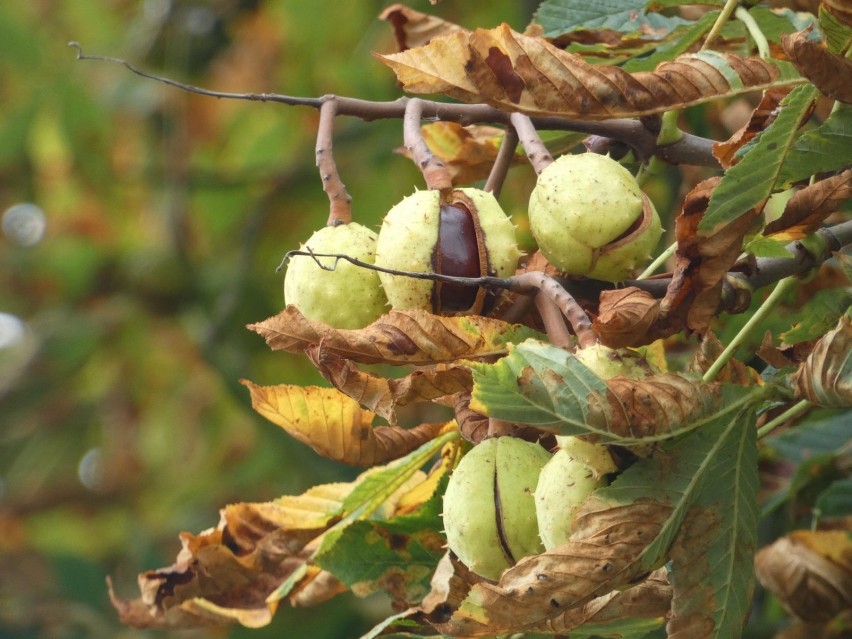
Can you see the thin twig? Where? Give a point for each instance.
(554, 322)
(691, 150)
(536, 151)
(339, 200)
(565, 302)
(502, 163)
(434, 171)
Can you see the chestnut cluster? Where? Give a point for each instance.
(509, 498)
(586, 212)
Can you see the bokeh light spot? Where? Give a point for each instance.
(24, 224)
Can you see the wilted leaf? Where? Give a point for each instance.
(515, 72)
(748, 184)
(808, 208)
(830, 73)
(335, 425)
(399, 337)
(413, 29)
(620, 533)
(638, 609)
(548, 387)
(467, 151)
(734, 372)
(383, 395)
(810, 572)
(762, 116)
(826, 376)
(625, 317)
(828, 147)
(226, 574)
(835, 21)
(704, 256)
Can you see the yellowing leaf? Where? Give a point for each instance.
(520, 73)
(467, 151)
(335, 425)
(400, 337)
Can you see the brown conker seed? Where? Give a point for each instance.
(461, 233)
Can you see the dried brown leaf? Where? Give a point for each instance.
(468, 152)
(808, 208)
(383, 395)
(399, 337)
(810, 572)
(625, 317)
(830, 73)
(825, 378)
(520, 73)
(703, 260)
(603, 553)
(658, 405)
(652, 598)
(226, 574)
(414, 29)
(771, 354)
(335, 425)
(763, 115)
(734, 372)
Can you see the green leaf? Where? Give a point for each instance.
(679, 42)
(368, 497)
(656, 5)
(813, 446)
(819, 315)
(546, 386)
(558, 17)
(838, 34)
(537, 384)
(749, 183)
(774, 23)
(762, 246)
(711, 468)
(828, 147)
(836, 500)
(712, 565)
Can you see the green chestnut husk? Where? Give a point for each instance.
(590, 218)
(462, 233)
(576, 470)
(350, 296)
(489, 509)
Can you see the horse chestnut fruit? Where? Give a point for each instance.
(349, 296)
(590, 218)
(566, 481)
(463, 233)
(489, 510)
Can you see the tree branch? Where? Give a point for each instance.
(690, 150)
(339, 200)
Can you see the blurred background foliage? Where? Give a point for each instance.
(142, 233)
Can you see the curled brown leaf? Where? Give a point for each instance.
(734, 371)
(825, 378)
(810, 572)
(399, 337)
(808, 208)
(516, 72)
(626, 317)
(414, 29)
(703, 259)
(830, 73)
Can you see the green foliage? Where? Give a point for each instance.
(750, 182)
